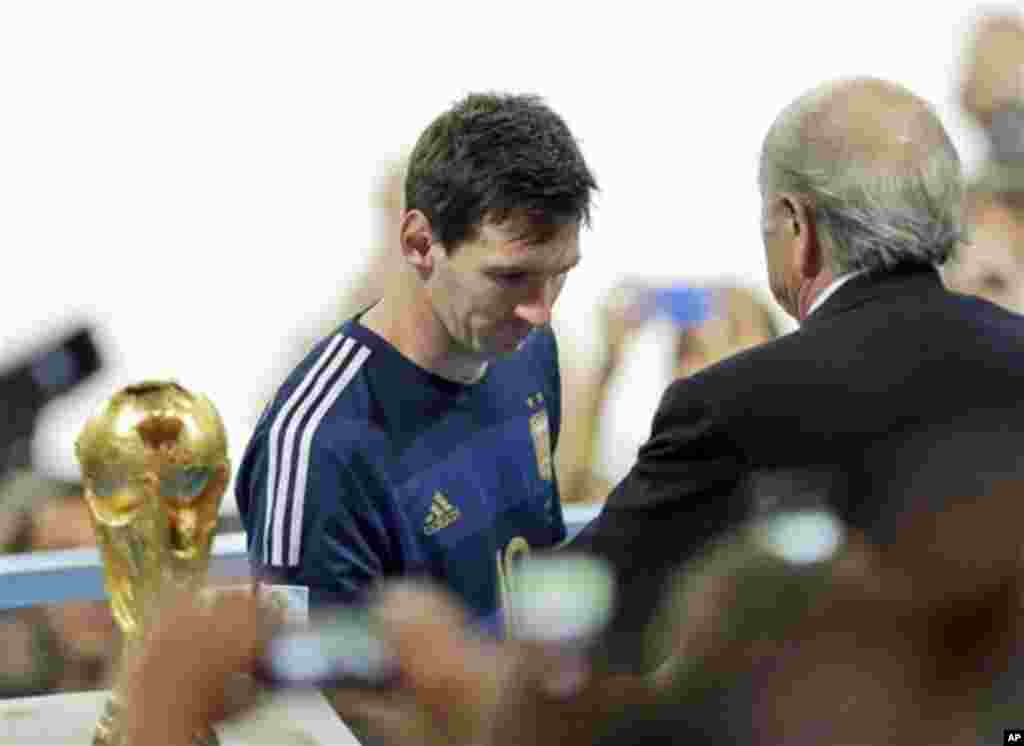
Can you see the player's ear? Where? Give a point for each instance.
(416, 238)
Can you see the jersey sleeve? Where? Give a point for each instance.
(326, 523)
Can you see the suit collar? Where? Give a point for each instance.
(907, 279)
(832, 288)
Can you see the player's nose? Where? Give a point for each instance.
(536, 309)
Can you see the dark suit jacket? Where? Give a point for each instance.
(885, 353)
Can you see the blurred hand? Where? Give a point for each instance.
(461, 689)
(191, 669)
(452, 681)
(456, 687)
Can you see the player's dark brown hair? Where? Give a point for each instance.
(493, 156)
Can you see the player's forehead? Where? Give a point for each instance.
(529, 242)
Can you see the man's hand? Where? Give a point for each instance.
(452, 681)
(189, 672)
(458, 689)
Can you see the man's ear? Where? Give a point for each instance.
(417, 238)
(801, 231)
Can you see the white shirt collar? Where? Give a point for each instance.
(833, 286)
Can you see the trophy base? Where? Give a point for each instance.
(108, 730)
(69, 719)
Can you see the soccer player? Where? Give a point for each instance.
(418, 439)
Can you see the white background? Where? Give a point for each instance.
(194, 177)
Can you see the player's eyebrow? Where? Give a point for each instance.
(529, 266)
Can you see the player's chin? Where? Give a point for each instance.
(507, 341)
(497, 348)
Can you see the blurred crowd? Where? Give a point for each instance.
(68, 646)
(654, 331)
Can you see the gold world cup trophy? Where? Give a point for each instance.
(155, 467)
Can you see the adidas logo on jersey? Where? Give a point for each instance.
(442, 514)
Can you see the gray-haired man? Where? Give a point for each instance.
(862, 198)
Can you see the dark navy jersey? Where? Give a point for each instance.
(367, 466)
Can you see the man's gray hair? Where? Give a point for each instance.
(874, 207)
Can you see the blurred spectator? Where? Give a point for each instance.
(58, 647)
(992, 94)
(17, 492)
(992, 58)
(86, 639)
(27, 652)
(991, 263)
(862, 200)
(646, 348)
(22, 490)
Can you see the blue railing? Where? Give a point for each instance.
(76, 574)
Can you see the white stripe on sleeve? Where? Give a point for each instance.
(274, 438)
(301, 473)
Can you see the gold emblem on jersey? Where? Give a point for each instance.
(541, 436)
(442, 514)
